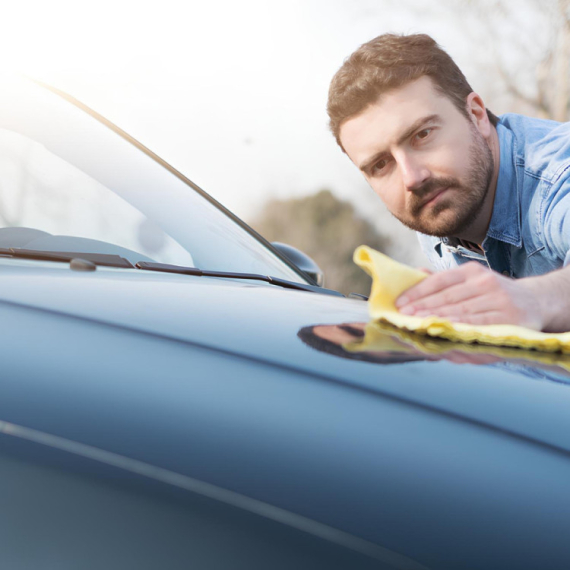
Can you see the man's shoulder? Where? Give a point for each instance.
(542, 149)
(542, 146)
(529, 126)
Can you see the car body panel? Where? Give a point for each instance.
(192, 309)
(360, 462)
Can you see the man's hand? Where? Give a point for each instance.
(474, 294)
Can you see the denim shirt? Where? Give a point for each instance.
(529, 232)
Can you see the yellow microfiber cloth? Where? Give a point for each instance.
(390, 279)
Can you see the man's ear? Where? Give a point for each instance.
(478, 114)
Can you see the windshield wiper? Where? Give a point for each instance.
(110, 260)
(166, 268)
(97, 258)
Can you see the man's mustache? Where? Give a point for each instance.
(429, 188)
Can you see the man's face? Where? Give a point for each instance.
(428, 163)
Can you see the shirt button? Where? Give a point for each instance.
(506, 273)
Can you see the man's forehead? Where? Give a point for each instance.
(383, 122)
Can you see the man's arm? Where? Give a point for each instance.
(473, 294)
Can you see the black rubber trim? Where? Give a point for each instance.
(108, 260)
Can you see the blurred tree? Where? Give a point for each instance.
(524, 48)
(328, 230)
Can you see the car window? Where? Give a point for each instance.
(40, 191)
(65, 173)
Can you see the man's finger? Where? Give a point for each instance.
(430, 285)
(466, 303)
(487, 318)
(440, 281)
(446, 298)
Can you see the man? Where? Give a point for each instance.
(490, 197)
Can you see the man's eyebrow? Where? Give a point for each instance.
(402, 138)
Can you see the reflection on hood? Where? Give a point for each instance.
(382, 337)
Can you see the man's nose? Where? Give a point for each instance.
(414, 171)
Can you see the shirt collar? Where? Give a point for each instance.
(505, 220)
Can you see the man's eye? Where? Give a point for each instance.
(379, 166)
(423, 134)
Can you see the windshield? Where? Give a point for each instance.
(70, 183)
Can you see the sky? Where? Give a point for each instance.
(233, 94)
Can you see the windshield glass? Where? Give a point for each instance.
(70, 183)
(63, 209)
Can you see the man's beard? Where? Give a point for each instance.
(464, 202)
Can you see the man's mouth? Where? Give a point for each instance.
(433, 197)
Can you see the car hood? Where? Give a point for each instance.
(262, 322)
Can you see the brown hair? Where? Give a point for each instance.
(388, 62)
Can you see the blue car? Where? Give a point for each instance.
(176, 392)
